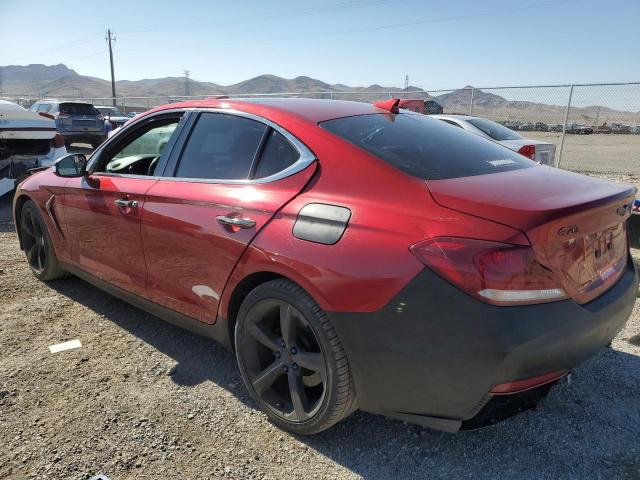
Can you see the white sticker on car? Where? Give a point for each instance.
(500, 163)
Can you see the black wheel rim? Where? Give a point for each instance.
(33, 241)
(283, 360)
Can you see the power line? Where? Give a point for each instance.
(327, 8)
(361, 30)
(56, 47)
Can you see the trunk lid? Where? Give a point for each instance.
(576, 224)
(24, 125)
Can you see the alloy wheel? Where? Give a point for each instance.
(283, 360)
(33, 241)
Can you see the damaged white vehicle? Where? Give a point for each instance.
(27, 140)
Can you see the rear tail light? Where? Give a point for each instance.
(496, 273)
(100, 118)
(527, 384)
(528, 151)
(62, 115)
(58, 141)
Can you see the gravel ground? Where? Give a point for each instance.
(143, 399)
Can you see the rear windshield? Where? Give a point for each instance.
(494, 130)
(425, 147)
(78, 109)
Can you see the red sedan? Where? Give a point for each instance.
(353, 256)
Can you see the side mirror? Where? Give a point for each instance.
(69, 166)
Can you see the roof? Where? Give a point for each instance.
(314, 110)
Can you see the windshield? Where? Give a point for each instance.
(114, 112)
(78, 109)
(493, 129)
(425, 147)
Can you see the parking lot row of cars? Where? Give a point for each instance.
(573, 128)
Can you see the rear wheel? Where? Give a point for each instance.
(291, 359)
(37, 244)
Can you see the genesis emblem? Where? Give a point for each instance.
(569, 229)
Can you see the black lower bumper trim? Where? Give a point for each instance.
(435, 351)
(501, 407)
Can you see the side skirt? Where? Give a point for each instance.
(217, 331)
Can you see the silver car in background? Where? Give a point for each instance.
(541, 152)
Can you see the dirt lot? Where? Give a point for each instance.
(595, 153)
(143, 399)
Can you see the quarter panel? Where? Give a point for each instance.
(371, 262)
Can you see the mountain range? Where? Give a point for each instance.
(39, 80)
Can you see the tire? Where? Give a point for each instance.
(38, 248)
(268, 354)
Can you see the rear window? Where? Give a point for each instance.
(78, 109)
(494, 130)
(425, 147)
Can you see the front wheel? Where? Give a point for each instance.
(37, 244)
(291, 359)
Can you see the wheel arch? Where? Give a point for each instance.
(231, 302)
(240, 292)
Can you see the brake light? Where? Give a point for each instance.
(100, 117)
(528, 151)
(62, 115)
(58, 141)
(496, 273)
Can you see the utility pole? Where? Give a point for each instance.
(406, 85)
(112, 38)
(186, 83)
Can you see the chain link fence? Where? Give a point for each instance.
(594, 127)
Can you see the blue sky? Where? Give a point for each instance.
(439, 44)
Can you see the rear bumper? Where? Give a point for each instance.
(84, 137)
(432, 355)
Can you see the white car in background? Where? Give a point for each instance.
(27, 140)
(541, 152)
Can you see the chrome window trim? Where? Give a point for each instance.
(305, 159)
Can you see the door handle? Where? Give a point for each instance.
(236, 222)
(122, 203)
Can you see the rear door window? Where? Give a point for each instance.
(278, 154)
(425, 147)
(78, 109)
(221, 146)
